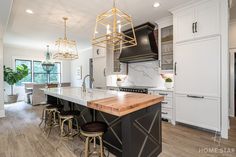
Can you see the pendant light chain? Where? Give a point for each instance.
(65, 19)
(114, 3)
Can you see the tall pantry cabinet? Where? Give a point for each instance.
(197, 64)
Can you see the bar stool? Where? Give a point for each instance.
(69, 117)
(92, 131)
(49, 117)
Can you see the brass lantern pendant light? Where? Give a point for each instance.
(66, 49)
(109, 30)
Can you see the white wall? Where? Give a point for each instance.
(83, 61)
(11, 53)
(2, 113)
(232, 35)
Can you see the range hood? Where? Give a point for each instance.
(146, 49)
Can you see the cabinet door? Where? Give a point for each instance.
(98, 52)
(99, 74)
(198, 67)
(183, 22)
(207, 18)
(201, 112)
(167, 48)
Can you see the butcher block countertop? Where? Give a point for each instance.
(125, 104)
(112, 102)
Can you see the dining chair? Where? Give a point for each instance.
(38, 96)
(28, 90)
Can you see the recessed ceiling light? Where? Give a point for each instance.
(156, 4)
(29, 11)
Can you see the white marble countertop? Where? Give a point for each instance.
(116, 103)
(75, 94)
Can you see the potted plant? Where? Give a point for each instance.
(168, 83)
(14, 76)
(118, 82)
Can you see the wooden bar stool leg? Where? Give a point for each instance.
(42, 118)
(101, 146)
(77, 125)
(86, 153)
(54, 118)
(62, 128)
(46, 119)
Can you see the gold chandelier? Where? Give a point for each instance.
(109, 30)
(66, 49)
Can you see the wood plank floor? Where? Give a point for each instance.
(20, 136)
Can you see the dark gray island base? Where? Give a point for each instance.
(137, 134)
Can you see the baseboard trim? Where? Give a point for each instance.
(2, 113)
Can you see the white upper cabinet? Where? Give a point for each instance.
(196, 21)
(165, 44)
(183, 22)
(99, 52)
(207, 17)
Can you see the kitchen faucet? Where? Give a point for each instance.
(84, 83)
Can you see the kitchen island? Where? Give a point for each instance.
(134, 120)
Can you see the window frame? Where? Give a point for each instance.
(33, 78)
(32, 68)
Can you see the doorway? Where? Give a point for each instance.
(234, 84)
(232, 108)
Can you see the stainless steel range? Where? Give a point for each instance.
(135, 89)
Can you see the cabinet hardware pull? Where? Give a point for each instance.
(194, 96)
(98, 52)
(104, 72)
(175, 68)
(163, 94)
(195, 27)
(164, 113)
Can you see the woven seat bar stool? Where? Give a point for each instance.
(93, 131)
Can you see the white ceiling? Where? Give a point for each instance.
(46, 25)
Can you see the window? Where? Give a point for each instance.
(40, 76)
(37, 74)
(28, 63)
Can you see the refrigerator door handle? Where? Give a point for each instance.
(194, 96)
(175, 68)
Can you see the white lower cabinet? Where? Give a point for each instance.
(198, 111)
(166, 113)
(167, 106)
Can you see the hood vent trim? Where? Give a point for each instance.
(146, 50)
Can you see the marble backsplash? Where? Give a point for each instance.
(140, 74)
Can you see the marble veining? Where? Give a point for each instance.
(144, 74)
(75, 94)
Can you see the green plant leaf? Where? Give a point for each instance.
(12, 77)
